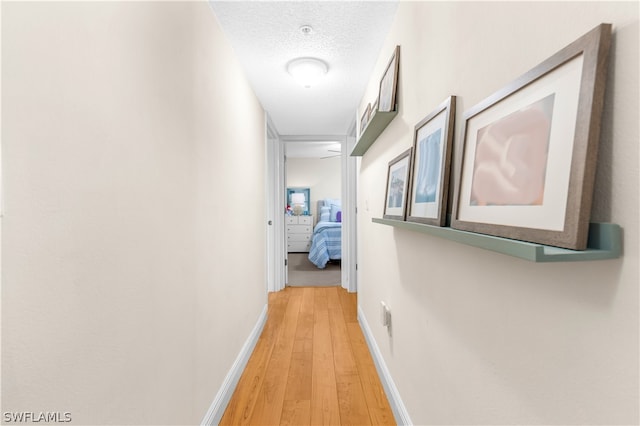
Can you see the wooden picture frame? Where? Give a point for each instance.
(364, 120)
(374, 109)
(395, 200)
(529, 155)
(389, 84)
(430, 166)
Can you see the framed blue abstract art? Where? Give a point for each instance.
(432, 140)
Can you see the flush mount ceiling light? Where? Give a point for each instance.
(307, 71)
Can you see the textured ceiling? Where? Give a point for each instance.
(347, 35)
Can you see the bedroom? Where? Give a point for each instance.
(316, 167)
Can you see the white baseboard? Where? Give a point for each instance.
(219, 404)
(397, 406)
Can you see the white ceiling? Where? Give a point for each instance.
(312, 149)
(347, 35)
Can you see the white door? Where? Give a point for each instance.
(276, 269)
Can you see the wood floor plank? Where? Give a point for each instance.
(303, 345)
(297, 413)
(242, 403)
(377, 403)
(351, 398)
(305, 318)
(268, 407)
(311, 365)
(349, 304)
(343, 356)
(299, 378)
(278, 298)
(325, 409)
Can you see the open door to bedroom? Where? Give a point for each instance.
(313, 228)
(276, 181)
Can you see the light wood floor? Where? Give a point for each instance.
(311, 366)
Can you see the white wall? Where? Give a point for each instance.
(479, 337)
(322, 176)
(127, 288)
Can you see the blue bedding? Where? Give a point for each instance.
(326, 243)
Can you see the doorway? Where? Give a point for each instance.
(313, 230)
(276, 191)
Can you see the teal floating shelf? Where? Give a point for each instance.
(605, 242)
(377, 124)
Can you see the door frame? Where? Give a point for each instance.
(349, 204)
(276, 182)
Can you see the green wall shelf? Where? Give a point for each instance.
(377, 124)
(605, 242)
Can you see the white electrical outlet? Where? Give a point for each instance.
(385, 314)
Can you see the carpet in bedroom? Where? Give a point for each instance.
(304, 273)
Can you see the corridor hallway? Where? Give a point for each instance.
(311, 365)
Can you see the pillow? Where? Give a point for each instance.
(325, 213)
(339, 216)
(334, 212)
(329, 201)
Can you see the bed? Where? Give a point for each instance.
(326, 241)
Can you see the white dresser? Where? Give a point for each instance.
(299, 231)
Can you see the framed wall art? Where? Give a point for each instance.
(374, 109)
(389, 84)
(300, 197)
(364, 120)
(397, 184)
(430, 165)
(529, 150)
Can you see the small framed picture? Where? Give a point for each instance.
(364, 120)
(389, 84)
(529, 150)
(299, 199)
(397, 184)
(430, 165)
(374, 109)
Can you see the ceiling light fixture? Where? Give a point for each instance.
(307, 71)
(306, 29)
